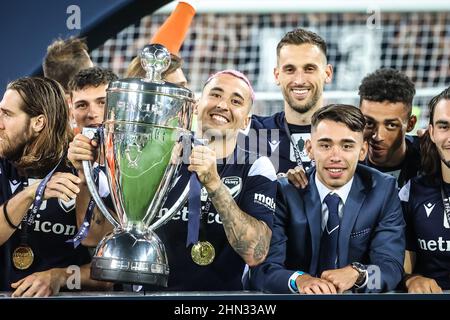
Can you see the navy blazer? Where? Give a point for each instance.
(371, 232)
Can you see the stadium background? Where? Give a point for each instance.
(410, 36)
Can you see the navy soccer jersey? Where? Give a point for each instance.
(253, 188)
(427, 228)
(268, 136)
(55, 222)
(410, 166)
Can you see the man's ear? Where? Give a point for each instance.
(431, 131)
(308, 148)
(276, 73)
(38, 123)
(329, 73)
(363, 151)
(246, 122)
(411, 123)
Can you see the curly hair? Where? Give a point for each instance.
(91, 77)
(387, 85)
(43, 96)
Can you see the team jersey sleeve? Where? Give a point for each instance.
(259, 191)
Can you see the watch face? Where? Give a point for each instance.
(361, 270)
(359, 266)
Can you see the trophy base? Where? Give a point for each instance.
(101, 270)
(133, 256)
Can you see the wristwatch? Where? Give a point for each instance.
(362, 271)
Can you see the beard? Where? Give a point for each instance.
(301, 107)
(11, 151)
(443, 160)
(13, 148)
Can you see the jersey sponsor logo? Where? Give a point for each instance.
(234, 185)
(183, 215)
(264, 200)
(428, 208)
(55, 228)
(433, 245)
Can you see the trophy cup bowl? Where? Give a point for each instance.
(144, 119)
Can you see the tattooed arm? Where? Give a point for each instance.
(248, 236)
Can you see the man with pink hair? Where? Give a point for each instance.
(237, 195)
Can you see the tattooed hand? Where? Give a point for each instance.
(203, 162)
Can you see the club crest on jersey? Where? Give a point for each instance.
(67, 206)
(234, 185)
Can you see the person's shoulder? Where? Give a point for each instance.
(419, 188)
(372, 178)
(258, 165)
(267, 122)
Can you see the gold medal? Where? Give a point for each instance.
(203, 253)
(22, 257)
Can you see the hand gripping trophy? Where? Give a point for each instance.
(144, 119)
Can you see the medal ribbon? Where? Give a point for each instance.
(194, 205)
(446, 203)
(84, 228)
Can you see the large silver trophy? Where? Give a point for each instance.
(144, 119)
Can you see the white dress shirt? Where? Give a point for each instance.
(342, 192)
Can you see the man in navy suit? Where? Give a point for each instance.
(348, 221)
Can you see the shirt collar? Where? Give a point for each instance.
(342, 192)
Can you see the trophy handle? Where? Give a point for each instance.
(171, 212)
(87, 168)
(186, 142)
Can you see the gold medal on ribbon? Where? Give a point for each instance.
(22, 257)
(203, 253)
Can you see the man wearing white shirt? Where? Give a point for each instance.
(347, 221)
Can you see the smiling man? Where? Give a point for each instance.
(386, 98)
(346, 221)
(301, 73)
(427, 213)
(237, 197)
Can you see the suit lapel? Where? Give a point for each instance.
(313, 209)
(352, 209)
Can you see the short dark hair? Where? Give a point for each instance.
(64, 59)
(135, 69)
(91, 77)
(387, 84)
(347, 114)
(430, 159)
(301, 36)
(44, 96)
